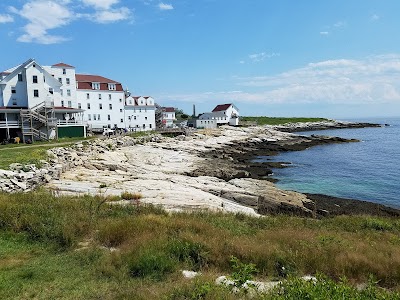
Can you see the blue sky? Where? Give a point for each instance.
(337, 58)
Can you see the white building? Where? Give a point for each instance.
(139, 113)
(102, 99)
(168, 116)
(30, 105)
(222, 114)
(64, 99)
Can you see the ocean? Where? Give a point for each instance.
(369, 170)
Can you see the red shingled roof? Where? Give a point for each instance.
(222, 107)
(62, 65)
(169, 109)
(85, 82)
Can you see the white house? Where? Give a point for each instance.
(102, 99)
(221, 114)
(30, 105)
(168, 116)
(230, 111)
(139, 113)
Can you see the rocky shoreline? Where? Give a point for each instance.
(210, 169)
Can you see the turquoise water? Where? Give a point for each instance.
(369, 170)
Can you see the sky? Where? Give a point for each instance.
(335, 59)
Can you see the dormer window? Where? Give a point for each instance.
(112, 86)
(96, 85)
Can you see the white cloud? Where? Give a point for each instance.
(324, 33)
(6, 19)
(374, 79)
(43, 16)
(257, 57)
(340, 24)
(375, 17)
(113, 15)
(163, 6)
(46, 15)
(101, 4)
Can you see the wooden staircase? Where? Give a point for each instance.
(37, 118)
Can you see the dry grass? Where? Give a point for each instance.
(152, 246)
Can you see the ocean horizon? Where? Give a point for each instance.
(367, 170)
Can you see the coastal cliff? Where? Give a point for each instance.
(210, 169)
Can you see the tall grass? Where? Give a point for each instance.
(121, 247)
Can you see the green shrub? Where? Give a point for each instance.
(377, 224)
(151, 264)
(241, 271)
(193, 253)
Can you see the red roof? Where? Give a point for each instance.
(169, 109)
(62, 65)
(85, 82)
(222, 107)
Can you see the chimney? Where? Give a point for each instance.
(194, 111)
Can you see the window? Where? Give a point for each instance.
(112, 86)
(109, 96)
(89, 116)
(122, 120)
(120, 100)
(98, 117)
(95, 85)
(130, 101)
(51, 91)
(120, 110)
(14, 101)
(110, 106)
(20, 77)
(13, 90)
(69, 104)
(64, 71)
(44, 78)
(129, 118)
(69, 93)
(60, 79)
(79, 105)
(134, 117)
(150, 126)
(94, 117)
(108, 117)
(67, 80)
(87, 96)
(61, 92)
(88, 106)
(145, 118)
(34, 79)
(62, 103)
(100, 106)
(99, 96)
(35, 93)
(144, 125)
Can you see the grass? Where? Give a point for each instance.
(32, 153)
(277, 120)
(85, 248)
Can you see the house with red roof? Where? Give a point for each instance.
(222, 114)
(31, 104)
(139, 113)
(168, 116)
(43, 102)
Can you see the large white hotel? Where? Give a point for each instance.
(44, 102)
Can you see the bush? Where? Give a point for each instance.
(151, 264)
(242, 272)
(193, 253)
(131, 196)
